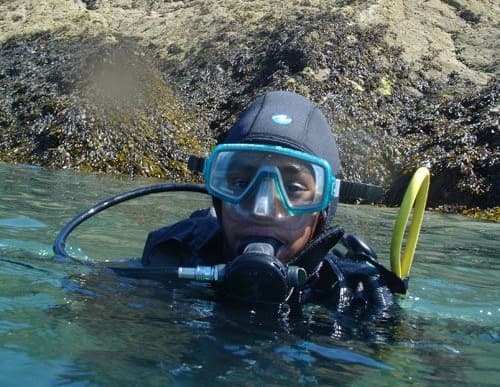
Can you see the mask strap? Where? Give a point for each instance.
(196, 164)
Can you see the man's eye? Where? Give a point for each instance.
(238, 183)
(296, 189)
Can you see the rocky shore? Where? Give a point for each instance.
(136, 86)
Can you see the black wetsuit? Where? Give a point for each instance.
(353, 279)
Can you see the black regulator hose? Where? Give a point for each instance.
(59, 246)
(255, 276)
(348, 192)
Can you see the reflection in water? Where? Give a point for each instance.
(64, 323)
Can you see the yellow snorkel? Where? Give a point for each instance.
(415, 197)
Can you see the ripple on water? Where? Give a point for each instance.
(21, 222)
(25, 369)
(39, 301)
(20, 245)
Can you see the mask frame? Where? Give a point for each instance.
(320, 168)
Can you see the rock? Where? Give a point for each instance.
(131, 86)
(96, 104)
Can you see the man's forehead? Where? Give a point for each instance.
(283, 163)
(258, 158)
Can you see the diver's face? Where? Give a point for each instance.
(262, 214)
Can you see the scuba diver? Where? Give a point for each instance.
(275, 182)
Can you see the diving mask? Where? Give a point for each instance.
(303, 183)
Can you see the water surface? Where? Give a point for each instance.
(63, 323)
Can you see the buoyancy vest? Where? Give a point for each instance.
(194, 241)
(352, 279)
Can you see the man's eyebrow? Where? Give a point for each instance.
(295, 168)
(241, 162)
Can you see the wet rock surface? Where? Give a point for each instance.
(95, 106)
(135, 87)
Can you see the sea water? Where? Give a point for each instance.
(66, 323)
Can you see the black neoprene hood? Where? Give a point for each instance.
(289, 120)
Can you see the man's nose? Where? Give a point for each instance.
(266, 200)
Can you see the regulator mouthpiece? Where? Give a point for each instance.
(295, 275)
(256, 276)
(259, 248)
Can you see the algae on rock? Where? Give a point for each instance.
(135, 86)
(94, 106)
